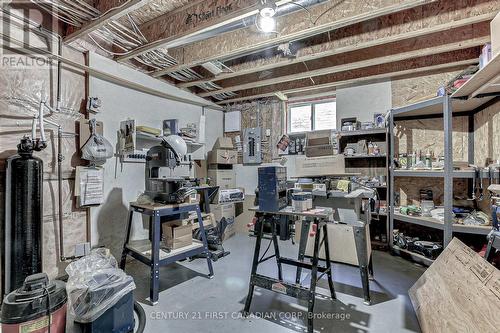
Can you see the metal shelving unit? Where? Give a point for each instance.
(372, 165)
(446, 108)
(418, 258)
(364, 132)
(483, 86)
(433, 173)
(431, 222)
(478, 92)
(364, 156)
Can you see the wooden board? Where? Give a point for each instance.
(427, 134)
(294, 26)
(392, 69)
(341, 241)
(266, 114)
(483, 82)
(487, 140)
(460, 292)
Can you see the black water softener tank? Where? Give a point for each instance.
(22, 250)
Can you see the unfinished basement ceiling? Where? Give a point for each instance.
(156, 8)
(320, 46)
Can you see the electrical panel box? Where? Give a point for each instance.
(272, 189)
(252, 145)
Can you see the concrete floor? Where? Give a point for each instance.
(189, 302)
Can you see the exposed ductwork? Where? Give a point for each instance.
(244, 23)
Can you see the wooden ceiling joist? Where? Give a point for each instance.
(458, 65)
(165, 31)
(415, 63)
(353, 66)
(415, 53)
(111, 9)
(195, 54)
(311, 52)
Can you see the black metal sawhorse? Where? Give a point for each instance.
(278, 285)
(365, 262)
(155, 213)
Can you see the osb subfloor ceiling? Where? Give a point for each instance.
(316, 47)
(156, 8)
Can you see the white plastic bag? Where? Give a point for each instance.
(95, 284)
(97, 149)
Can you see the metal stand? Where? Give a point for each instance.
(278, 285)
(493, 245)
(365, 263)
(364, 260)
(155, 214)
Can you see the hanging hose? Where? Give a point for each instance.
(141, 317)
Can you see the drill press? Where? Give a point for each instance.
(161, 185)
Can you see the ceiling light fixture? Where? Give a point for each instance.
(266, 21)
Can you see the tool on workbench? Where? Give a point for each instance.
(160, 160)
(473, 196)
(481, 191)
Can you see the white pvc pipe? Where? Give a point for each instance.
(33, 127)
(41, 124)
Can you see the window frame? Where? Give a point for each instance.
(313, 104)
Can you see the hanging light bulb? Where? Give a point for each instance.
(267, 24)
(266, 20)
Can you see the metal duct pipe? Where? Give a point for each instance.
(246, 22)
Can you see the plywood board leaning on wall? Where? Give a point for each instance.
(23, 85)
(459, 292)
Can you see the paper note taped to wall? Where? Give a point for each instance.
(89, 186)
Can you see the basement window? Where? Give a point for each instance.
(306, 117)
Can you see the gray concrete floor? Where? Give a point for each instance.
(189, 302)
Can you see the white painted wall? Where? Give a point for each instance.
(119, 103)
(364, 101)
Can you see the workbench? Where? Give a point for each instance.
(319, 218)
(149, 252)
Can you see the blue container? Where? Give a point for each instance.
(272, 189)
(117, 319)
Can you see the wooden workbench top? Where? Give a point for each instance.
(158, 206)
(318, 212)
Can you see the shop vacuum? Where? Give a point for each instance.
(28, 308)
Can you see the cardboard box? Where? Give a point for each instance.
(228, 212)
(176, 235)
(222, 156)
(319, 138)
(200, 169)
(495, 35)
(208, 220)
(318, 166)
(225, 179)
(318, 151)
(223, 196)
(223, 143)
(382, 146)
